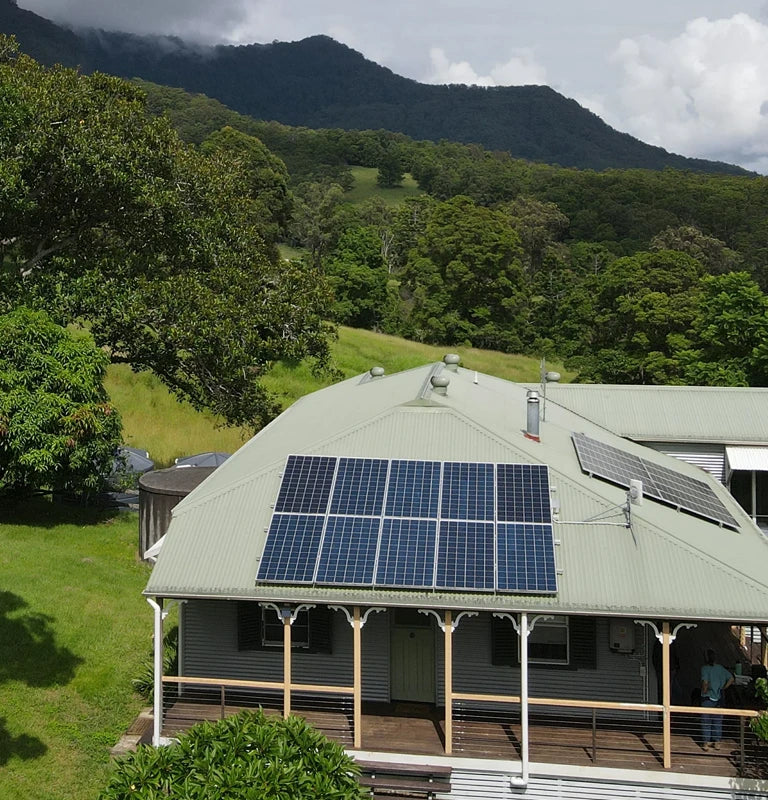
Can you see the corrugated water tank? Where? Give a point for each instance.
(159, 492)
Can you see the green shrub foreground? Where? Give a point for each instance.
(245, 757)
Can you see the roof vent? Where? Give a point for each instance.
(376, 372)
(532, 421)
(552, 377)
(440, 384)
(452, 361)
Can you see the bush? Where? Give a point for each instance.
(246, 757)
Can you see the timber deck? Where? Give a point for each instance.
(418, 729)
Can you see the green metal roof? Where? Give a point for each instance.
(715, 414)
(670, 564)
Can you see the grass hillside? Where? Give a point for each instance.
(156, 421)
(366, 187)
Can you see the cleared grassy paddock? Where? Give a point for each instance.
(74, 630)
(366, 187)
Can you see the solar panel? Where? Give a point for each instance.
(291, 550)
(306, 485)
(526, 558)
(465, 556)
(659, 482)
(523, 493)
(689, 494)
(407, 553)
(414, 489)
(375, 522)
(348, 551)
(468, 491)
(359, 487)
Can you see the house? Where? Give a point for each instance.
(439, 578)
(721, 429)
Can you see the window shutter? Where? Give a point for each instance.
(503, 643)
(320, 626)
(583, 642)
(248, 625)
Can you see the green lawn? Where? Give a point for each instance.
(366, 187)
(74, 630)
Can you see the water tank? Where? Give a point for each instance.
(159, 492)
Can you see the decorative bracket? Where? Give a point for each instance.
(171, 603)
(460, 616)
(659, 635)
(440, 620)
(363, 618)
(516, 625)
(286, 613)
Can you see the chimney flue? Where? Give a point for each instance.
(532, 420)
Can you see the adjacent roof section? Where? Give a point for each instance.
(747, 458)
(670, 413)
(668, 564)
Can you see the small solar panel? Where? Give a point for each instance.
(468, 491)
(348, 551)
(660, 483)
(688, 494)
(290, 553)
(407, 553)
(465, 556)
(526, 558)
(605, 461)
(414, 489)
(359, 487)
(523, 493)
(306, 485)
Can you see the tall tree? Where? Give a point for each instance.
(106, 215)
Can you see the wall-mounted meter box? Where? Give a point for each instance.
(622, 636)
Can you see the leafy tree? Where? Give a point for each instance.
(390, 168)
(245, 756)
(539, 225)
(358, 277)
(316, 219)
(465, 280)
(266, 175)
(106, 215)
(710, 252)
(57, 429)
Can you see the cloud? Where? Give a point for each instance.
(704, 92)
(521, 70)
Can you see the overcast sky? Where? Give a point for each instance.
(689, 75)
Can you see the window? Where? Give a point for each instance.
(272, 629)
(548, 641)
(261, 629)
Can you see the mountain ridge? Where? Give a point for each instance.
(318, 82)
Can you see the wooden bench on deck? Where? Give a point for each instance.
(404, 781)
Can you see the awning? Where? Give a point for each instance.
(747, 458)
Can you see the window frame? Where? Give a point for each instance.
(560, 622)
(272, 635)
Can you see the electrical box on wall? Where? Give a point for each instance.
(622, 636)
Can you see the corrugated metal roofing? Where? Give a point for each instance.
(728, 415)
(748, 458)
(668, 564)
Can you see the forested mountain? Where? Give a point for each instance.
(320, 83)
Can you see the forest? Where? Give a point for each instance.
(633, 276)
(156, 222)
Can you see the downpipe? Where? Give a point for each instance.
(157, 723)
(521, 781)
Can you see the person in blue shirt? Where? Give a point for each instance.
(715, 679)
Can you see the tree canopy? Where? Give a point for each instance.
(106, 216)
(57, 427)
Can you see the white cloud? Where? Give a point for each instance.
(704, 92)
(521, 70)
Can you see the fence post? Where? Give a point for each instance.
(223, 699)
(594, 736)
(742, 758)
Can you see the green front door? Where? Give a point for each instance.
(412, 667)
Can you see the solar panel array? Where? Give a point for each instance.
(660, 483)
(457, 526)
